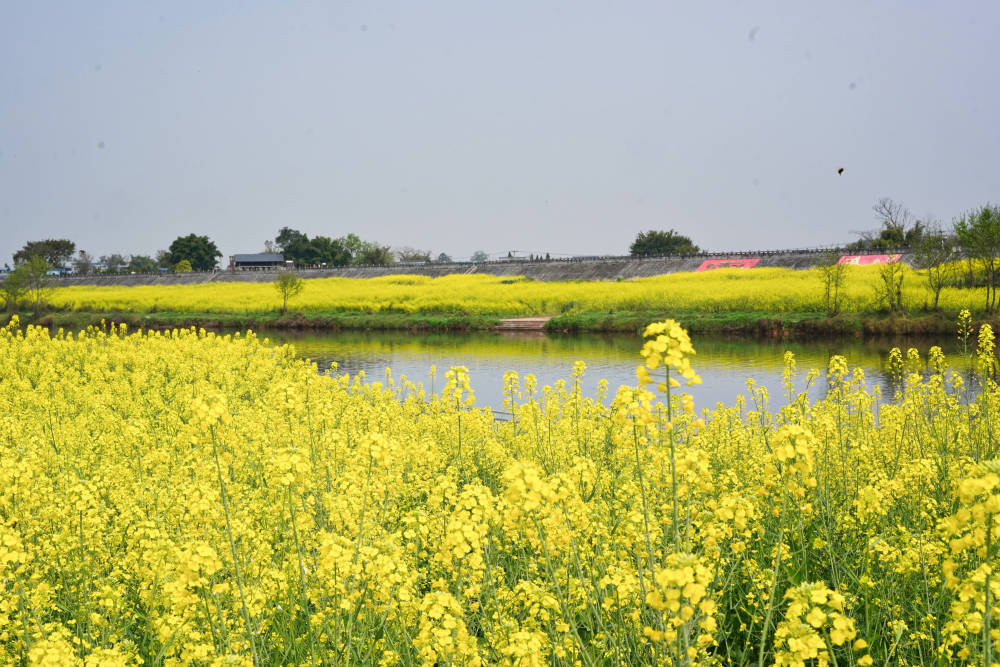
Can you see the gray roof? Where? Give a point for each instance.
(259, 257)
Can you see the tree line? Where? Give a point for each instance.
(348, 250)
(62, 256)
(965, 255)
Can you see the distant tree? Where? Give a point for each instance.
(979, 233)
(200, 251)
(352, 243)
(141, 264)
(183, 266)
(479, 256)
(289, 285)
(56, 252)
(935, 255)
(373, 253)
(271, 248)
(832, 274)
(162, 258)
(656, 242)
(300, 251)
(330, 252)
(444, 258)
(408, 254)
(114, 263)
(898, 229)
(83, 263)
(14, 286)
(37, 280)
(287, 237)
(303, 251)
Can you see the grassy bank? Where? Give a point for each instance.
(795, 325)
(752, 324)
(74, 320)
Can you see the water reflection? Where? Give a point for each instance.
(724, 364)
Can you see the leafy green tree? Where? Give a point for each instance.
(443, 258)
(288, 238)
(289, 285)
(320, 250)
(163, 260)
(183, 266)
(330, 252)
(141, 264)
(297, 247)
(56, 252)
(373, 253)
(979, 233)
(200, 251)
(656, 242)
(478, 257)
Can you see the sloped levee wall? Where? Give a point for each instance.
(596, 268)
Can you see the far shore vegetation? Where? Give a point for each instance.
(947, 271)
(770, 302)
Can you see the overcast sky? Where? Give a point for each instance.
(560, 127)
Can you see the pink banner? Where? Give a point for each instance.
(865, 260)
(710, 264)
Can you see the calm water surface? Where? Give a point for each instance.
(724, 365)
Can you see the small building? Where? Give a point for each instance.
(256, 262)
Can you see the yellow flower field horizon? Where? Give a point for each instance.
(772, 290)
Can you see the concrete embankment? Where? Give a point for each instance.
(598, 268)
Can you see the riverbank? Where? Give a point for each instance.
(76, 320)
(768, 325)
(735, 323)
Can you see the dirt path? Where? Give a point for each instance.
(522, 324)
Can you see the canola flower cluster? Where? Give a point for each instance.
(774, 290)
(182, 497)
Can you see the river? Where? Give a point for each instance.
(724, 364)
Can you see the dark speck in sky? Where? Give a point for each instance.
(364, 27)
(98, 67)
(852, 85)
(100, 144)
(753, 33)
(840, 170)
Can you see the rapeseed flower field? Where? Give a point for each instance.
(771, 290)
(184, 497)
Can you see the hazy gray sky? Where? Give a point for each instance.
(562, 127)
